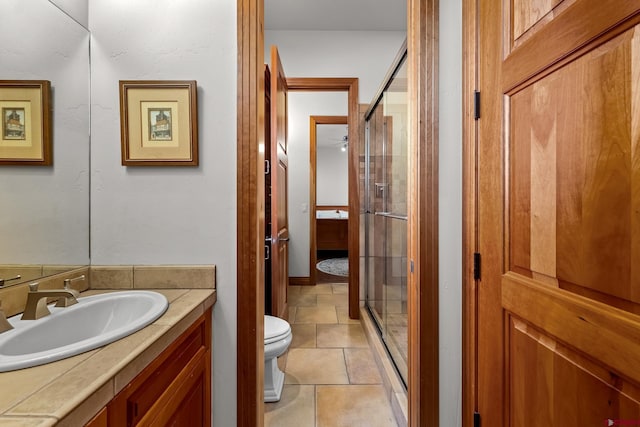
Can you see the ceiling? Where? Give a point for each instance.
(331, 136)
(336, 15)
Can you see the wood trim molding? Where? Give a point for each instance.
(422, 42)
(313, 178)
(469, 212)
(313, 164)
(322, 84)
(350, 85)
(300, 281)
(354, 200)
(250, 215)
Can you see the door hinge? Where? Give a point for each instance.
(476, 419)
(267, 167)
(476, 104)
(476, 266)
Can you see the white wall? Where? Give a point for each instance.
(450, 212)
(363, 54)
(332, 177)
(366, 55)
(170, 215)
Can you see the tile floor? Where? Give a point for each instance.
(331, 378)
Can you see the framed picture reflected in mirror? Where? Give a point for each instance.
(25, 122)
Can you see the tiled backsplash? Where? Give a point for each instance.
(153, 277)
(13, 298)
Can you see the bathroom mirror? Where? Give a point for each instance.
(44, 225)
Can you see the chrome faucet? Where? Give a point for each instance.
(36, 306)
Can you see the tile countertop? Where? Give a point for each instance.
(71, 391)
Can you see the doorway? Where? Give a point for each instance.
(422, 216)
(329, 199)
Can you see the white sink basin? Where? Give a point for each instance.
(91, 323)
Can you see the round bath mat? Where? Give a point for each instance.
(334, 266)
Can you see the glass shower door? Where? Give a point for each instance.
(386, 226)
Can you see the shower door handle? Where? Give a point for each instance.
(391, 215)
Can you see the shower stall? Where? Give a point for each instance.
(384, 173)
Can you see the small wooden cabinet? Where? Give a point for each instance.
(332, 234)
(173, 390)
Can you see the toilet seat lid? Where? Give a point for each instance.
(274, 327)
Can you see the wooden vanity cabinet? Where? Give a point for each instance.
(100, 420)
(174, 389)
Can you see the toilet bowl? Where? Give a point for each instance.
(277, 337)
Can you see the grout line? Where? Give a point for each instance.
(315, 405)
(315, 329)
(346, 366)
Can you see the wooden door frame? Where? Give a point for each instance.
(423, 212)
(423, 282)
(469, 212)
(313, 180)
(349, 85)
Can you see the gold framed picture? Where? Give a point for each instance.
(25, 128)
(159, 123)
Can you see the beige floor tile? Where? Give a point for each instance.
(340, 288)
(303, 300)
(361, 366)
(317, 289)
(336, 300)
(353, 405)
(343, 316)
(316, 366)
(294, 290)
(292, 313)
(296, 408)
(304, 335)
(341, 336)
(325, 314)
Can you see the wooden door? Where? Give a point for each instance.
(279, 188)
(558, 227)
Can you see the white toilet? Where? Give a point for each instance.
(277, 337)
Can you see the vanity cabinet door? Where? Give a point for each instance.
(183, 403)
(175, 389)
(99, 420)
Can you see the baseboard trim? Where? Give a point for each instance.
(299, 281)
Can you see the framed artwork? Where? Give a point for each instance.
(159, 123)
(25, 122)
